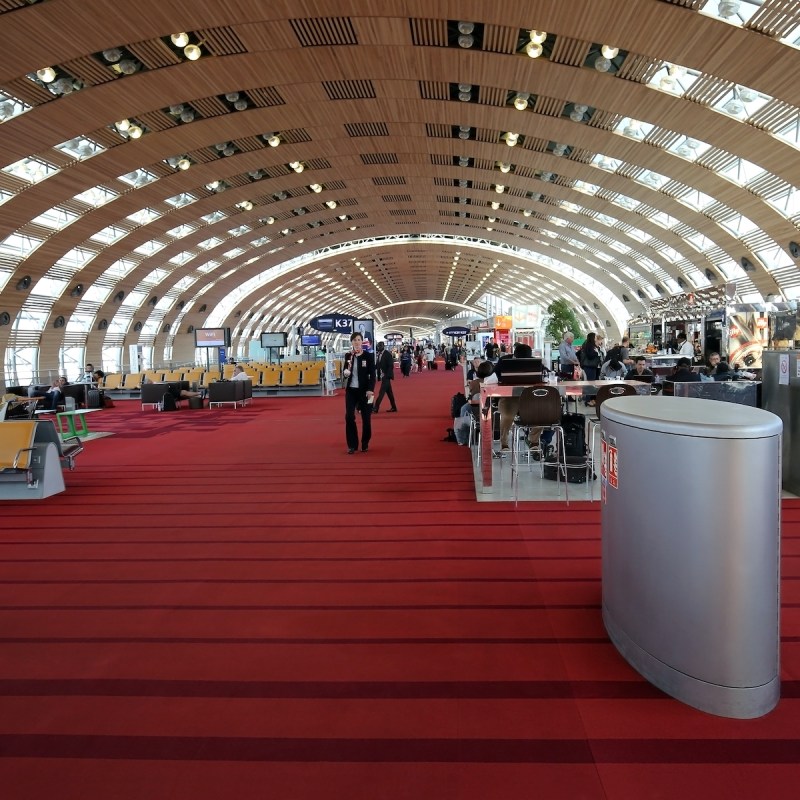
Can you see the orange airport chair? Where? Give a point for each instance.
(133, 380)
(290, 376)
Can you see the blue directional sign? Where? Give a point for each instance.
(456, 331)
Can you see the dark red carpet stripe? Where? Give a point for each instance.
(422, 751)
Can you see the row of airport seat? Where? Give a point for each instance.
(291, 375)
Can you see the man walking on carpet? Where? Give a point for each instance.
(385, 368)
(359, 388)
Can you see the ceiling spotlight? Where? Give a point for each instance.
(315, 187)
(512, 139)
(495, 205)
(229, 150)
(534, 49)
(537, 36)
(331, 204)
(527, 212)
(183, 163)
(46, 75)
(128, 66)
(240, 104)
(734, 106)
(212, 186)
(187, 115)
(609, 52)
(632, 129)
(499, 188)
(463, 133)
(123, 125)
(232, 97)
(269, 220)
(192, 52)
(297, 166)
(272, 139)
(490, 219)
(747, 95)
(135, 132)
(463, 161)
(342, 217)
(503, 166)
(112, 55)
(602, 64)
(521, 101)
(180, 39)
(464, 92)
(246, 205)
(176, 109)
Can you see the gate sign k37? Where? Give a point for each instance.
(332, 323)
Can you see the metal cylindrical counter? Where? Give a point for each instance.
(690, 500)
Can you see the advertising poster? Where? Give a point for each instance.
(366, 327)
(748, 335)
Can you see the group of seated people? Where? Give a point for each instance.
(715, 370)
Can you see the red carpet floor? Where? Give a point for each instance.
(226, 604)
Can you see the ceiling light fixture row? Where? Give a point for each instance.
(121, 62)
(56, 81)
(225, 148)
(272, 139)
(179, 162)
(183, 111)
(237, 99)
(534, 48)
(129, 129)
(182, 41)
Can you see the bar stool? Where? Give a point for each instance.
(539, 408)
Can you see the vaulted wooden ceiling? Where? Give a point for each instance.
(393, 190)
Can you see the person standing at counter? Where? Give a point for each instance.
(685, 347)
(359, 383)
(567, 357)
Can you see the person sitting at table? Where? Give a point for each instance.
(239, 374)
(485, 375)
(509, 406)
(612, 370)
(54, 396)
(88, 374)
(683, 372)
(638, 369)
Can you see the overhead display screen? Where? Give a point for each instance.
(212, 337)
(273, 340)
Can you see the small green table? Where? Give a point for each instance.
(70, 417)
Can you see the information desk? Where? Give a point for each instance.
(569, 389)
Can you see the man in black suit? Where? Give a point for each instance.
(359, 388)
(385, 368)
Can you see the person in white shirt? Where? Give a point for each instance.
(685, 347)
(239, 374)
(430, 355)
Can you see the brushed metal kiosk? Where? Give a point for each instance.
(690, 499)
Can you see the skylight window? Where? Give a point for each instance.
(138, 178)
(181, 258)
(31, 170)
(143, 216)
(110, 234)
(148, 248)
(80, 148)
(10, 107)
(96, 196)
(55, 218)
(180, 231)
(180, 200)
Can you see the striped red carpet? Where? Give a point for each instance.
(225, 603)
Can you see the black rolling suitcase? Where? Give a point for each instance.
(574, 426)
(93, 399)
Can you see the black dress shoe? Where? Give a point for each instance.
(375, 410)
(365, 448)
(351, 451)
(392, 411)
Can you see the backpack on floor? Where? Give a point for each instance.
(450, 436)
(167, 403)
(574, 426)
(456, 403)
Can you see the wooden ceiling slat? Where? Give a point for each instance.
(491, 96)
(154, 53)
(500, 39)
(570, 51)
(429, 32)
(89, 70)
(221, 41)
(28, 91)
(158, 121)
(265, 97)
(210, 106)
(776, 18)
(549, 106)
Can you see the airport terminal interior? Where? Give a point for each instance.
(222, 600)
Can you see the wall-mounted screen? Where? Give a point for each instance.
(273, 340)
(311, 340)
(212, 337)
(366, 327)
